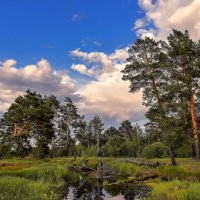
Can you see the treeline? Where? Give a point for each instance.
(42, 126)
(168, 74)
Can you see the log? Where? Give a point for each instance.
(147, 177)
(73, 168)
(85, 168)
(149, 164)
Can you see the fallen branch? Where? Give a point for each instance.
(73, 168)
(149, 164)
(85, 168)
(147, 177)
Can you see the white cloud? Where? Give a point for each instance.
(82, 69)
(40, 77)
(94, 57)
(141, 23)
(171, 14)
(108, 94)
(103, 62)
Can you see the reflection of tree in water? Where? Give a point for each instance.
(129, 191)
(87, 188)
(136, 192)
(89, 191)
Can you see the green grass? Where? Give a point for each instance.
(45, 174)
(175, 190)
(32, 179)
(16, 188)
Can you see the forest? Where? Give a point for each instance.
(168, 75)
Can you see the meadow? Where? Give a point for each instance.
(32, 179)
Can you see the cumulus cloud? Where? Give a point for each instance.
(94, 57)
(40, 77)
(141, 23)
(170, 14)
(102, 61)
(108, 94)
(82, 69)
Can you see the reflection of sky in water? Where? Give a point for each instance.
(87, 188)
(106, 195)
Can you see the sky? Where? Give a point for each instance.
(77, 48)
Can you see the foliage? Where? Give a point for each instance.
(155, 150)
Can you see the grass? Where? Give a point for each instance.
(175, 190)
(33, 179)
(17, 188)
(46, 174)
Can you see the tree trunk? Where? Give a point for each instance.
(98, 145)
(195, 127)
(172, 155)
(192, 111)
(193, 151)
(15, 130)
(67, 143)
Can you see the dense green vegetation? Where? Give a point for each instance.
(44, 178)
(168, 75)
(41, 127)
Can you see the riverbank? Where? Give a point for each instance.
(31, 179)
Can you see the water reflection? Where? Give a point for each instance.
(93, 189)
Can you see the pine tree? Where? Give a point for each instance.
(145, 71)
(126, 130)
(68, 117)
(96, 126)
(29, 118)
(184, 56)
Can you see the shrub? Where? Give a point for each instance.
(110, 150)
(128, 149)
(184, 151)
(112, 146)
(155, 150)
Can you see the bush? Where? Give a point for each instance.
(111, 148)
(155, 150)
(128, 149)
(110, 151)
(91, 152)
(184, 151)
(40, 152)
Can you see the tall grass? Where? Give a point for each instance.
(15, 188)
(179, 173)
(51, 174)
(31, 179)
(176, 190)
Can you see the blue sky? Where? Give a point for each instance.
(78, 48)
(34, 29)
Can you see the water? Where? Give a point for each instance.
(87, 188)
